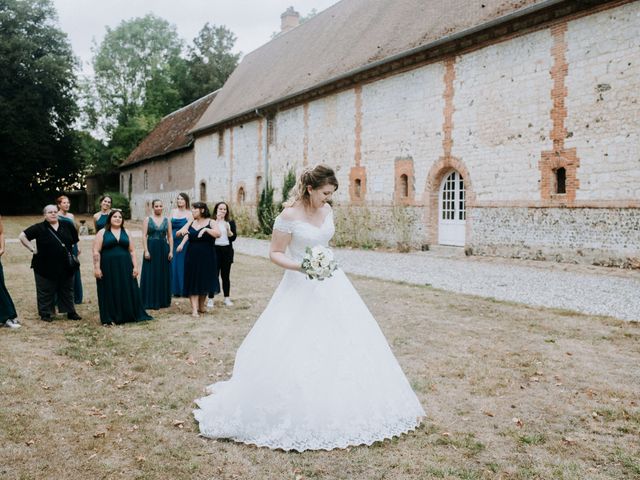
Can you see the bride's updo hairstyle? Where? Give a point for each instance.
(314, 177)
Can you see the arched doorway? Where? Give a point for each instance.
(452, 213)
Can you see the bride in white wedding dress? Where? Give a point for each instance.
(315, 372)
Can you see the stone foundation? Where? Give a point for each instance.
(597, 236)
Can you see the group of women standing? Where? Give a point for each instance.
(183, 256)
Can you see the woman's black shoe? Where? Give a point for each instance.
(46, 318)
(74, 316)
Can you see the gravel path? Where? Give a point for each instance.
(592, 290)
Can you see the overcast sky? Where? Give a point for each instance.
(252, 21)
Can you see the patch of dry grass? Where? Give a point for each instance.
(511, 392)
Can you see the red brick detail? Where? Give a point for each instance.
(442, 167)
(357, 185)
(447, 127)
(358, 126)
(404, 191)
(445, 164)
(559, 156)
(241, 194)
(305, 141)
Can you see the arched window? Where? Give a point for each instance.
(203, 191)
(130, 189)
(357, 188)
(404, 186)
(561, 180)
(146, 180)
(241, 196)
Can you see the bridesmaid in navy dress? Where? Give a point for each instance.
(64, 215)
(180, 216)
(100, 218)
(155, 279)
(116, 270)
(200, 266)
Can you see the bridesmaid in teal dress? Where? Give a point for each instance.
(115, 268)
(8, 315)
(155, 279)
(100, 218)
(180, 216)
(64, 204)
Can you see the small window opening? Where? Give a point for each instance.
(221, 143)
(241, 196)
(404, 186)
(271, 130)
(358, 188)
(561, 180)
(203, 192)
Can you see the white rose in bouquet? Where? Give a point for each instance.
(319, 263)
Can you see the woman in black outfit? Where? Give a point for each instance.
(51, 267)
(200, 264)
(224, 246)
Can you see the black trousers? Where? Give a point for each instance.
(224, 254)
(47, 291)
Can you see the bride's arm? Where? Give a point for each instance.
(279, 242)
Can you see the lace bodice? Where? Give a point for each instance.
(157, 232)
(304, 234)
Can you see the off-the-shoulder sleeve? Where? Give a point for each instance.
(283, 225)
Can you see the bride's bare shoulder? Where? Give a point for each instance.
(291, 213)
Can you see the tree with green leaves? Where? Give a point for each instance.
(37, 106)
(133, 74)
(210, 62)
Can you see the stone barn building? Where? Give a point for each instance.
(163, 165)
(507, 127)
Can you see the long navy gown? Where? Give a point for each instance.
(200, 266)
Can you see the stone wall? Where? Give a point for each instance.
(601, 236)
(506, 116)
(165, 178)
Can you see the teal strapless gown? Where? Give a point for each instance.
(77, 279)
(177, 262)
(7, 308)
(155, 279)
(119, 296)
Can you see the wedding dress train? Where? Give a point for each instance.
(315, 371)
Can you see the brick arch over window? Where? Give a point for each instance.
(437, 172)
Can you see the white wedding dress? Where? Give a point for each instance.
(315, 372)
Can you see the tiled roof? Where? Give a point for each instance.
(342, 39)
(171, 134)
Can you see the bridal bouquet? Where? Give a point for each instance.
(318, 263)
